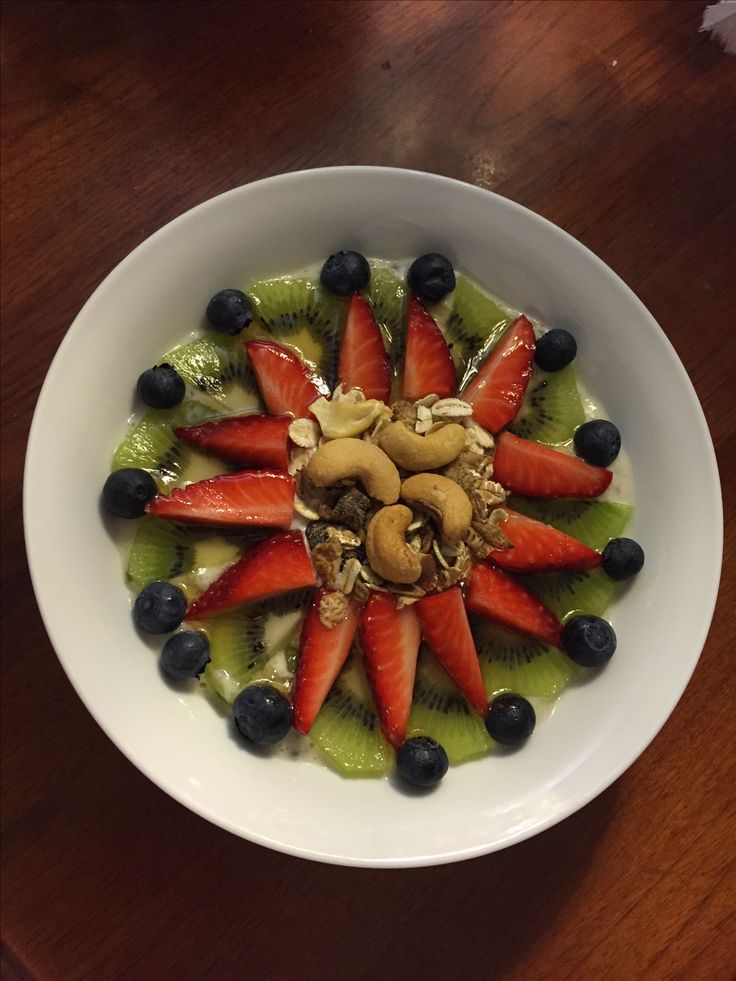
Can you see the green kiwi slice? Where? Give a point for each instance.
(255, 644)
(516, 664)
(476, 321)
(216, 367)
(160, 550)
(387, 295)
(552, 408)
(441, 711)
(191, 555)
(594, 523)
(347, 732)
(303, 315)
(570, 593)
(152, 445)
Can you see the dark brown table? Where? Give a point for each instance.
(615, 120)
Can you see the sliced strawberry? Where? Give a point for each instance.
(497, 391)
(250, 441)
(428, 363)
(322, 653)
(363, 361)
(537, 547)
(249, 497)
(502, 598)
(390, 642)
(530, 468)
(286, 383)
(446, 629)
(277, 565)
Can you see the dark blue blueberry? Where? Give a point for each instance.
(262, 714)
(510, 719)
(161, 387)
(127, 491)
(555, 349)
(622, 558)
(421, 761)
(185, 655)
(598, 442)
(229, 311)
(159, 608)
(431, 277)
(345, 273)
(589, 641)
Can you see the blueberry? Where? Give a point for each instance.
(185, 655)
(589, 641)
(229, 311)
(159, 608)
(262, 714)
(510, 719)
(161, 387)
(431, 277)
(421, 761)
(555, 349)
(345, 273)
(598, 442)
(127, 491)
(622, 558)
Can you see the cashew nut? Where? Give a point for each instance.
(444, 499)
(385, 544)
(411, 451)
(348, 458)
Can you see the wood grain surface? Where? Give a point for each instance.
(615, 120)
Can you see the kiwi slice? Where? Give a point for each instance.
(303, 315)
(552, 409)
(569, 593)
(347, 731)
(594, 523)
(441, 711)
(191, 555)
(152, 445)
(252, 644)
(387, 295)
(216, 367)
(476, 322)
(160, 550)
(516, 664)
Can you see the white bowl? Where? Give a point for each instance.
(154, 298)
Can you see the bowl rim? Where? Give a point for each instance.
(576, 802)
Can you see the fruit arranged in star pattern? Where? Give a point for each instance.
(205, 472)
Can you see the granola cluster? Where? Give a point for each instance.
(338, 516)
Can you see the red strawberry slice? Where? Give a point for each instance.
(446, 629)
(249, 497)
(497, 391)
(498, 596)
(322, 653)
(390, 642)
(428, 363)
(286, 383)
(277, 565)
(530, 468)
(537, 547)
(363, 361)
(250, 441)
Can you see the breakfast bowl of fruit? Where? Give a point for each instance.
(367, 540)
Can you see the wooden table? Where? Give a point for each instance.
(615, 120)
